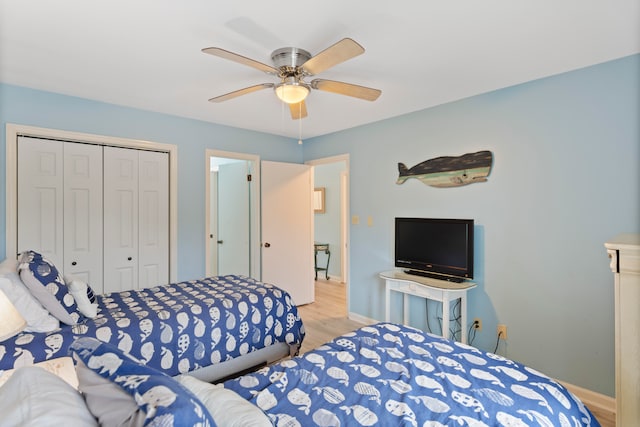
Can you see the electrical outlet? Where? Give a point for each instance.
(502, 331)
(477, 324)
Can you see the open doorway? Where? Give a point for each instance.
(232, 214)
(331, 226)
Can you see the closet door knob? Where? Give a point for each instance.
(267, 245)
(129, 259)
(74, 263)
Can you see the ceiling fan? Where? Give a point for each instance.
(292, 65)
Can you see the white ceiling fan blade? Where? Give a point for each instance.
(298, 111)
(341, 88)
(343, 50)
(221, 53)
(241, 92)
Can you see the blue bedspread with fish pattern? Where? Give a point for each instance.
(392, 375)
(175, 328)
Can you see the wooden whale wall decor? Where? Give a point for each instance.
(450, 171)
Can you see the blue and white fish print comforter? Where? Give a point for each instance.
(175, 328)
(392, 375)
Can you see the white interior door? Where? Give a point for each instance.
(83, 213)
(120, 219)
(40, 197)
(287, 228)
(250, 210)
(153, 228)
(233, 219)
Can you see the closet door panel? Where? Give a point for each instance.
(83, 213)
(154, 219)
(40, 197)
(120, 219)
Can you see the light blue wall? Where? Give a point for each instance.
(43, 109)
(565, 179)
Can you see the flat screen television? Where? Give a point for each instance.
(435, 247)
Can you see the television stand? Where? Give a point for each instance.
(428, 288)
(435, 276)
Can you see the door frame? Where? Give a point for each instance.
(254, 207)
(11, 206)
(344, 213)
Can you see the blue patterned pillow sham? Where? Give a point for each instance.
(46, 284)
(162, 399)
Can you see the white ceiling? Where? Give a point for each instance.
(147, 53)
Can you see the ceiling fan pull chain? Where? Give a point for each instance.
(300, 124)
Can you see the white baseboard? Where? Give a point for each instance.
(361, 319)
(591, 398)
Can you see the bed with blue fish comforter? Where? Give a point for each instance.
(176, 328)
(392, 375)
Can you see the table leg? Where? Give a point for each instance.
(387, 309)
(326, 272)
(315, 262)
(406, 309)
(446, 309)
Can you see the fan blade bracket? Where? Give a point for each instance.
(240, 92)
(348, 89)
(231, 56)
(339, 52)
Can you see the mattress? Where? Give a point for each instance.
(393, 375)
(176, 328)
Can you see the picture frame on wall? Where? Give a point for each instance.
(318, 200)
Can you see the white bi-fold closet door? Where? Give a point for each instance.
(99, 212)
(136, 218)
(60, 208)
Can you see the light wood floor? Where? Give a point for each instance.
(326, 318)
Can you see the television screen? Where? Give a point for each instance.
(435, 247)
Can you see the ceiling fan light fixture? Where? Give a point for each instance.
(292, 65)
(292, 92)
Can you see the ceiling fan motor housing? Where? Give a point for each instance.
(289, 59)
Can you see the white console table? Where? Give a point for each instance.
(433, 289)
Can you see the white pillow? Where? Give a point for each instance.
(78, 289)
(38, 319)
(35, 397)
(227, 408)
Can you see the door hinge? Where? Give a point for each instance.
(249, 177)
